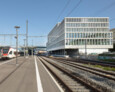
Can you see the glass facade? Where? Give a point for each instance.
(87, 25)
(88, 35)
(88, 41)
(76, 32)
(90, 31)
(56, 36)
(86, 29)
(87, 19)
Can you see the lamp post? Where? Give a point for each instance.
(24, 47)
(17, 27)
(27, 39)
(32, 48)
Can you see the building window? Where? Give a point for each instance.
(77, 35)
(66, 35)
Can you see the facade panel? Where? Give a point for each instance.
(79, 33)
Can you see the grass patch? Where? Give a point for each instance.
(102, 67)
(109, 60)
(109, 68)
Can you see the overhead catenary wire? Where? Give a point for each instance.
(105, 8)
(41, 36)
(25, 35)
(63, 9)
(112, 19)
(12, 34)
(76, 6)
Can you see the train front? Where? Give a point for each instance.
(5, 51)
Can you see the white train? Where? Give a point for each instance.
(8, 52)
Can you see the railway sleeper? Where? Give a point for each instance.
(78, 82)
(74, 89)
(84, 81)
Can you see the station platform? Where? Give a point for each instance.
(25, 76)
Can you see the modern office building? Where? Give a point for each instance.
(78, 35)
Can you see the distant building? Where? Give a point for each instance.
(35, 49)
(79, 35)
(40, 50)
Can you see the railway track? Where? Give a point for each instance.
(103, 73)
(73, 82)
(103, 63)
(93, 62)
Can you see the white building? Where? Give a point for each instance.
(79, 35)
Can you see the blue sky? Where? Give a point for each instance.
(42, 15)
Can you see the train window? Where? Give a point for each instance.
(10, 52)
(5, 50)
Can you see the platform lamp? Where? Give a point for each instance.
(24, 47)
(17, 27)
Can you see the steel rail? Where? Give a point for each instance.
(93, 62)
(85, 82)
(67, 89)
(93, 70)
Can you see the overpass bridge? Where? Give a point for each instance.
(29, 49)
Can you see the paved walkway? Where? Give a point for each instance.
(22, 78)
